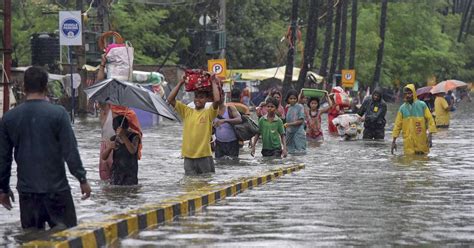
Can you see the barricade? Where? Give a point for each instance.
(108, 231)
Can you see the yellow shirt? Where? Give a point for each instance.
(442, 115)
(197, 130)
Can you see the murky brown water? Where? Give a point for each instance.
(350, 193)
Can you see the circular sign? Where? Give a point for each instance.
(70, 28)
(348, 76)
(217, 68)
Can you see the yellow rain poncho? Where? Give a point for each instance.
(441, 112)
(413, 120)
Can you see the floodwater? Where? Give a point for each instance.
(351, 193)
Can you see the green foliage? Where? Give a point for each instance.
(140, 25)
(420, 38)
(28, 18)
(254, 32)
(419, 43)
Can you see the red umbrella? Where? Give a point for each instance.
(446, 86)
(422, 92)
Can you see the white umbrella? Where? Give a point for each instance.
(446, 86)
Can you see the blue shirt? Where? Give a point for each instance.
(40, 136)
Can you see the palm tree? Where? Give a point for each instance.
(353, 35)
(342, 51)
(310, 42)
(378, 65)
(327, 40)
(465, 17)
(291, 49)
(335, 47)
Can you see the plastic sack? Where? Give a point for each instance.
(105, 166)
(148, 77)
(337, 89)
(120, 62)
(342, 99)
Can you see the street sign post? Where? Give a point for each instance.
(348, 78)
(70, 34)
(217, 66)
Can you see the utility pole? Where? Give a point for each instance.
(7, 53)
(81, 61)
(222, 24)
(287, 82)
(103, 14)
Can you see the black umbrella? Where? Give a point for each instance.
(128, 94)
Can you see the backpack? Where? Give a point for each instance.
(246, 129)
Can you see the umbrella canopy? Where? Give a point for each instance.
(446, 86)
(130, 95)
(421, 92)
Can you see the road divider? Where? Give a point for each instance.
(108, 231)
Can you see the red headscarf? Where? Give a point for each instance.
(134, 124)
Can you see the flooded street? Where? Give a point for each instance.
(350, 193)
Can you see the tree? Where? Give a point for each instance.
(327, 39)
(291, 49)
(335, 46)
(465, 17)
(310, 42)
(342, 51)
(353, 35)
(378, 64)
(254, 30)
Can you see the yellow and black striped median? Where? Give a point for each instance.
(108, 231)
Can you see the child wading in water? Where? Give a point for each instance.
(197, 128)
(272, 131)
(313, 121)
(125, 157)
(295, 119)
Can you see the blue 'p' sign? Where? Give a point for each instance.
(70, 28)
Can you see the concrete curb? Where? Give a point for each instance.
(104, 233)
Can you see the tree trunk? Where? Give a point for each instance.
(468, 26)
(287, 82)
(327, 40)
(310, 42)
(342, 51)
(335, 47)
(378, 65)
(353, 35)
(465, 14)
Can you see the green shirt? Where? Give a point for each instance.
(270, 132)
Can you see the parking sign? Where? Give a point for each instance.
(348, 78)
(217, 66)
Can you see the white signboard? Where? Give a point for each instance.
(70, 28)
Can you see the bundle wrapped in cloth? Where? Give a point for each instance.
(348, 126)
(197, 79)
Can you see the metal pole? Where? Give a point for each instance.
(72, 83)
(7, 53)
(222, 23)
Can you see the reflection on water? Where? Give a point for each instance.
(350, 193)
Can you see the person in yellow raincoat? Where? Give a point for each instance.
(441, 111)
(413, 119)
